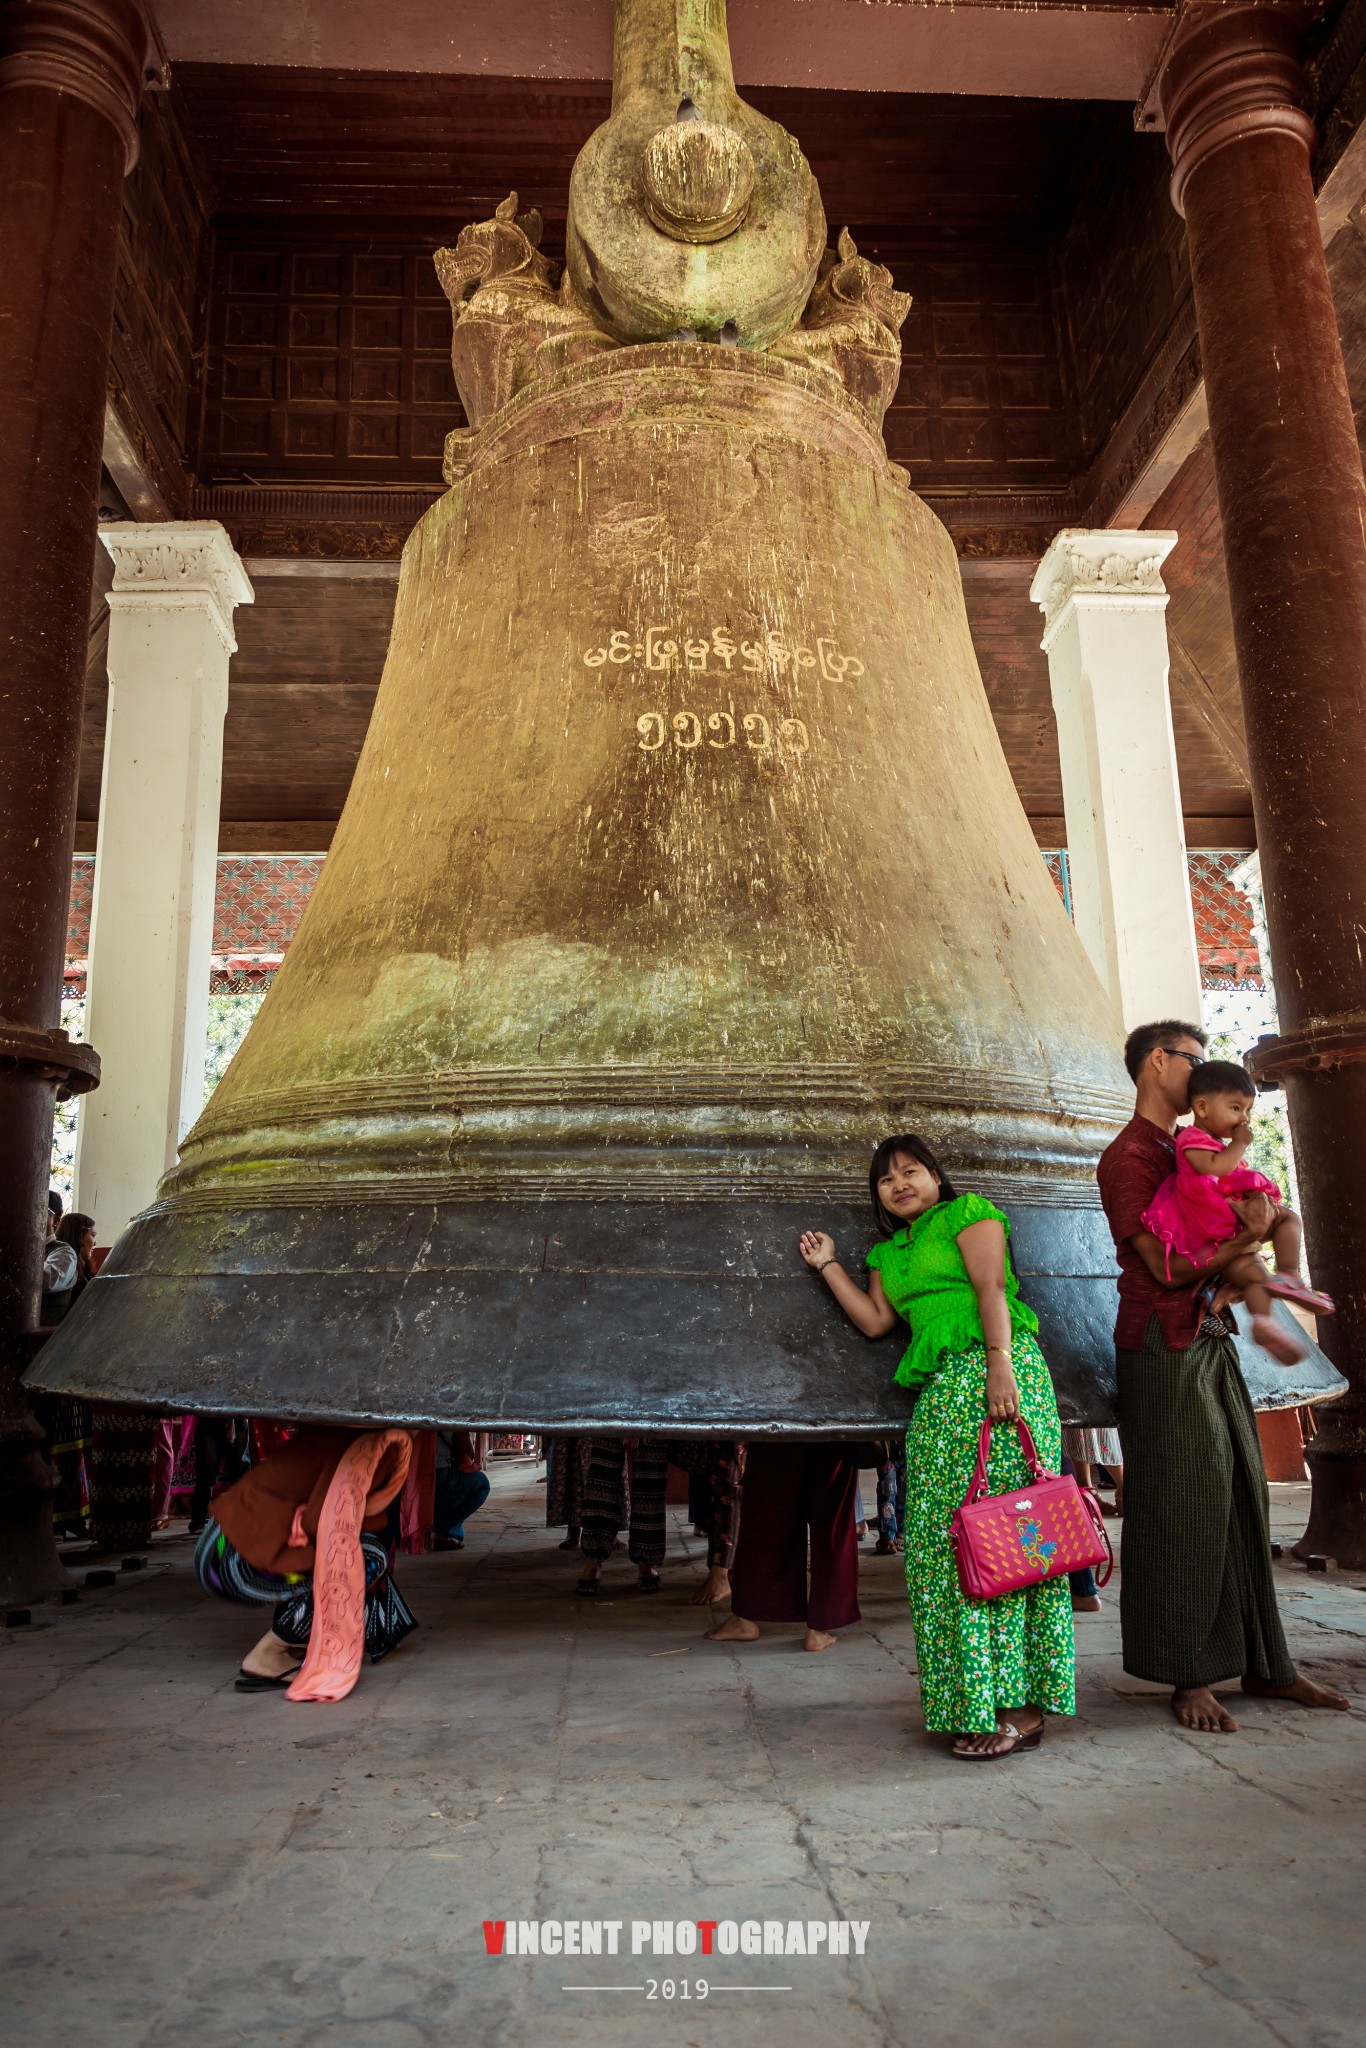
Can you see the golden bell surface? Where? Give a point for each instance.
(681, 865)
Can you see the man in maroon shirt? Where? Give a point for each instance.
(1198, 1599)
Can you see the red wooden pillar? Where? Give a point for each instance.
(71, 75)
(1293, 506)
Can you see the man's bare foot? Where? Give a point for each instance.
(1026, 1721)
(819, 1639)
(1196, 1707)
(270, 1658)
(1303, 1692)
(716, 1586)
(736, 1630)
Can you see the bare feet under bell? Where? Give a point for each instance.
(714, 1588)
(738, 1630)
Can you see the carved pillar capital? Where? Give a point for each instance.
(96, 50)
(175, 564)
(1108, 568)
(1232, 72)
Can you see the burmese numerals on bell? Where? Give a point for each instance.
(720, 729)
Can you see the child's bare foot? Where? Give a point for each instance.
(1285, 1349)
(716, 1586)
(736, 1630)
(819, 1639)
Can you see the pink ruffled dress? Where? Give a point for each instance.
(1190, 1212)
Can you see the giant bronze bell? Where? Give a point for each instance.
(682, 863)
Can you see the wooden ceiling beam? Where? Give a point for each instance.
(1044, 49)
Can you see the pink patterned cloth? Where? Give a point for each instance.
(1190, 1212)
(418, 1506)
(371, 1472)
(174, 1446)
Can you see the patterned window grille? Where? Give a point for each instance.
(260, 899)
(1224, 936)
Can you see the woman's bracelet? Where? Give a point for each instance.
(1005, 1352)
(831, 1261)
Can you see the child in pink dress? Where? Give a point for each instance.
(1191, 1214)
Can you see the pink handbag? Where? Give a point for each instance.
(1004, 1541)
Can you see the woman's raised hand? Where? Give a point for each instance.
(816, 1247)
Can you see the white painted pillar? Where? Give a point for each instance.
(176, 585)
(1105, 635)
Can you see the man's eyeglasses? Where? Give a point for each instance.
(1196, 1059)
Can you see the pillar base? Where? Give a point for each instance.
(1337, 1518)
(30, 1568)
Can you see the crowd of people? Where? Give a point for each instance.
(311, 1521)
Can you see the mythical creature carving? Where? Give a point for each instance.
(506, 300)
(851, 328)
(519, 317)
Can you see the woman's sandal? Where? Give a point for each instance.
(587, 1589)
(648, 1582)
(255, 1681)
(1017, 1743)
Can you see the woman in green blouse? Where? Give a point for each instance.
(989, 1669)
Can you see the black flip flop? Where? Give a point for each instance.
(251, 1681)
(649, 1584)
(587, 1589)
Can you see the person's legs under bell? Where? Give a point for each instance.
(649, 1486)
(458, 1496)
(768, 1576)
(604, 1503)
(830, 1489)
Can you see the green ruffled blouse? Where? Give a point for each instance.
(925, 1280)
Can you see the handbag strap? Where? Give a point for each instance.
(1093, 1508)
(978, 1484)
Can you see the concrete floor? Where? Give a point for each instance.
(183, 1864)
